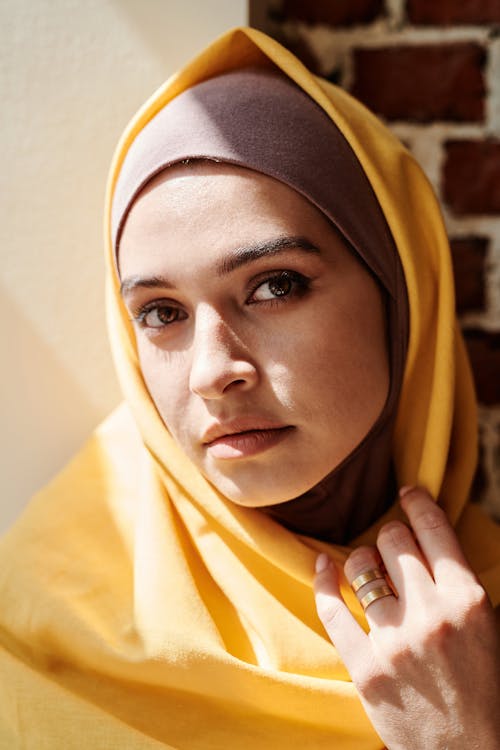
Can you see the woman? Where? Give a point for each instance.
(281, 315)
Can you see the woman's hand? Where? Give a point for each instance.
(428, 672)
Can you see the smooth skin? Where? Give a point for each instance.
(428, 672)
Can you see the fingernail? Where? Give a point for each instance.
(406, 490)
(322, 562)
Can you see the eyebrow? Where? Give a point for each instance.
(238, 258)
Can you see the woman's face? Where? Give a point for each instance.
(260, 336)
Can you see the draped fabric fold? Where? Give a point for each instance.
(139, 608)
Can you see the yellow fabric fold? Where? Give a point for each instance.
(141, 609)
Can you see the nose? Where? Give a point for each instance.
(220, 360)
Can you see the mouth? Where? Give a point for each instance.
(239, 443)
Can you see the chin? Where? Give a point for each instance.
(259, 494)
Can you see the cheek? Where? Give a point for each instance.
(166, 376)
(326, 381)
(335, 367)
(339, 346)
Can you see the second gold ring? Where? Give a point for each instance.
(378, 593)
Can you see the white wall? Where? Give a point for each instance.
(72, 73)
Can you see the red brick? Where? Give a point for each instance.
(469, 254)
(443, 12)
(471, 176)
(484, 352)
(422, 82)
(336, 13)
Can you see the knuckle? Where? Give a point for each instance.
(477, 605)
(394, 534)
(471, 602)
(479, 597)
(472, 613)
(431, 519)
(360, 560)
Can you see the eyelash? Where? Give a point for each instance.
(299, 286)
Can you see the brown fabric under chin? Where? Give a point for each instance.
(257, 118)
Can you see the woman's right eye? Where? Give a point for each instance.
(158, 316)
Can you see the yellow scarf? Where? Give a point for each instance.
(141, 609)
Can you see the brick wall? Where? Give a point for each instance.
(431, 70)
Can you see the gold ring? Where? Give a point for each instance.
(375, 574)
(374, 594)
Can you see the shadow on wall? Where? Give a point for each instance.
(30, 368)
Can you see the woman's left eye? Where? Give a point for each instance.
(281, 285)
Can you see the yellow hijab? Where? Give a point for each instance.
(141, 609)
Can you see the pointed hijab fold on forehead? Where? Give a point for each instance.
(258, 119)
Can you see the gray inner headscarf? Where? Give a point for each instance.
(259, 119)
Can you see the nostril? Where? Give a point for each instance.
(234, 382)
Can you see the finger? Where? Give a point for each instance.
(404, 561)
(435, 536)
(347, 636)
(366, 562)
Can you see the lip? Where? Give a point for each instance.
(243, 437)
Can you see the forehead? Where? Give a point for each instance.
(205, 209)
